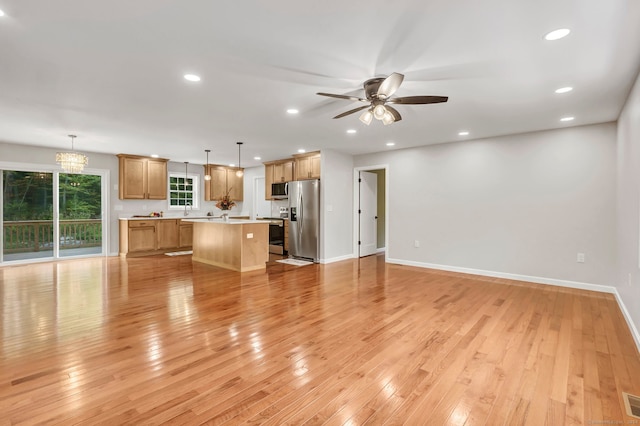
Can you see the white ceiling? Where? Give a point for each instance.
(112, 72)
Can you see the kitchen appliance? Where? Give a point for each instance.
(276, 236)
(304, 219)
(279, 190)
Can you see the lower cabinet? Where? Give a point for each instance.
(141, 236)
(154, 236)
(186, 234)
(286, 236)
(168, 233)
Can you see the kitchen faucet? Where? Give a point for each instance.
(186, 213)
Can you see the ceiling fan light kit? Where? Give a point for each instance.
(366, 117)
(378, 92)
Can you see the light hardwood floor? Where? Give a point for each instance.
(161, 340)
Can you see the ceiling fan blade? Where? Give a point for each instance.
(389, 86)
(394, 112)
(418, 100)
(350, 98)
(351, 111)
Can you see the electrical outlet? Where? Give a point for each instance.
(144, 207)
(416, 243)
(250, 235)
(580, 257)
(117, 207)
(629, 280)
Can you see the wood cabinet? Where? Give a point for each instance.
(168, 233)
(223, 179)
(185, 234)
(142, 178)
(141, 236)
(235, 184)
(307, 166)
(154, 236)
(277, 172)
(286, 236)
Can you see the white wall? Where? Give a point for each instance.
(523, 205)
(628, 213)
(336, 204)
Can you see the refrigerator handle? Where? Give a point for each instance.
(301, 222)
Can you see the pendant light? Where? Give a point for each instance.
(71, 161)
(239, 172)
(207, 176)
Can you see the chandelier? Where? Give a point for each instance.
(71, 161)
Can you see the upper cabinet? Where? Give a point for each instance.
(283, 171)
(223, 180)
(277, 172)
(142, 178)
(307, 166)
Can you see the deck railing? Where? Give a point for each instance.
(36, 235)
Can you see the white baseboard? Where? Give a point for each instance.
(337, 259)
(627, 317)
(517, 277)
(537, 280)
(381, 250)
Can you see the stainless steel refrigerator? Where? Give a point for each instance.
(304, 219)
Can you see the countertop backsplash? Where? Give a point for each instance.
(130, 208)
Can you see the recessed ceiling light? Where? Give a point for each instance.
(257, 158)
(567, 118)
(564, 89)
(232, 165)
(302, 151)
(292, 111)
(191, 77)
(154, 156)
(463, 133)
(351, 131)
(391, 143)
(1, 13)
(557, 34)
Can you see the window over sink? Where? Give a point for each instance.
(183, 191)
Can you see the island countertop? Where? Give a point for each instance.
(224, 222)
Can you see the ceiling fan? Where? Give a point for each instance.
(378, 92)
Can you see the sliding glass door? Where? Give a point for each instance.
(38, 224)
(80, 217)
(27, 207)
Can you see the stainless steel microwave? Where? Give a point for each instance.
(280, 190)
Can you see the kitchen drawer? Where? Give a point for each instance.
(141, 223)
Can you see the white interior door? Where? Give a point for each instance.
(368, 213)
(262, 207)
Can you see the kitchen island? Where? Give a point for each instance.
(236, 244)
